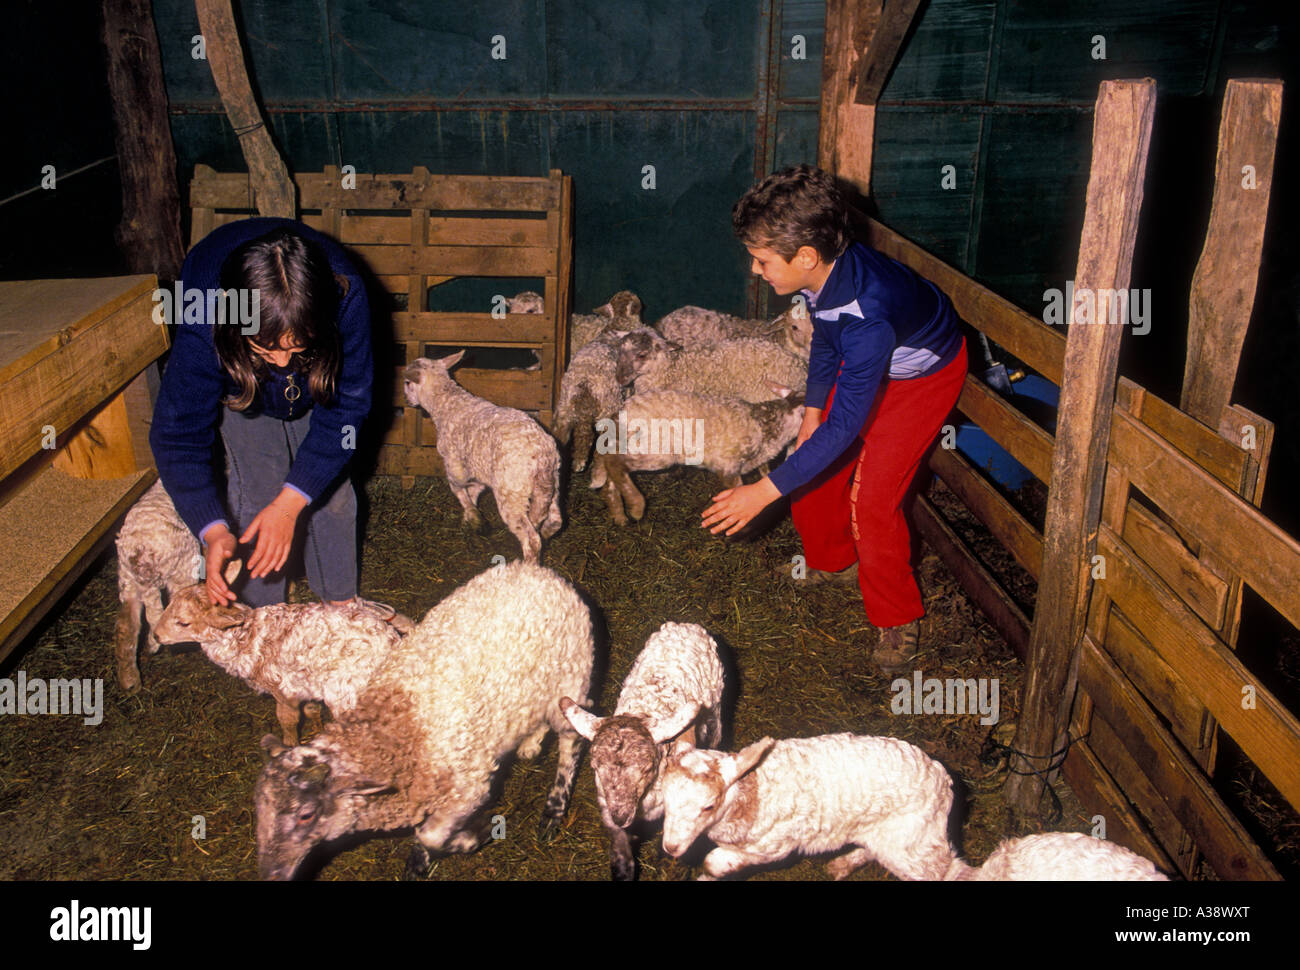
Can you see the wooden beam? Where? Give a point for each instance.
(1223, 286)
(873, 69)
(848, 128)
(149, 234)
(272, 186)
(1121, 138)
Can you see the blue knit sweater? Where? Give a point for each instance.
(183, 436)
(873, 318)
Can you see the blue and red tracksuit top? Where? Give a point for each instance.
(186, 415)
(873, 318)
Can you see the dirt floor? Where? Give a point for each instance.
(162, 788)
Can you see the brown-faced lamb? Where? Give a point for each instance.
(155, 551)
(486, 446)
(741, 369)
(589, 393)
(1058, 856)
(621, 313)
(660, 429)
(299, 653)
(880, 798)
(674, 688)
(480, 677)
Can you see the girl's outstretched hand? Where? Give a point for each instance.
(274, 527)
(732, 508)
(220, 542)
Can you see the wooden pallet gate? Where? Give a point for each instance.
(1153, 525)
(420, 230)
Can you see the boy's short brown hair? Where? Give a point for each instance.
(800, 206)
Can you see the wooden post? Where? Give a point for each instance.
(1223, 287)
(149, 235)
(863, 38)
(273, 188)
(1120, 139)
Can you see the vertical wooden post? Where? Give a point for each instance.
(273, 188)
(149, 235)
(1120, 139)
(1223, 287)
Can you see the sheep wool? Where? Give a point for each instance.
(1058, 856)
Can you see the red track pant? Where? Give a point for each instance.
(854, 509)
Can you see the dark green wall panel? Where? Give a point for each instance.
(946, 57)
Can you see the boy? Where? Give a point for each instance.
(887, 366)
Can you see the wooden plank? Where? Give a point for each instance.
(1253, 547)
(1008, 426)
(873, 70)
(272, 186)
(1185, 789)
(442, 231)
(1026, 336)
(1100, 795)
(1213, 452)
(1162, 550)
(1121, 137)
(1139, 791)
(979, 584)
(509, 388)
(1265, 730)
(1223, 285)
(1006, 523)
(441, 327)
(845, 143)
(512, 261)
(102, 447)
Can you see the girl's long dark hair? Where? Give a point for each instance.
(298, 298)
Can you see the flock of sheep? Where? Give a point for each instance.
(423, 714)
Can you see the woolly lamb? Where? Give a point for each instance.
(674, 688)
(733, 368)
(526, 302)
(480, 677)
(299, 653)
(730, 437)
(622, 312)
(1058, 856)
(881, 798)
(155, 551)
(588, 393)
(486, 446)
(693, 326)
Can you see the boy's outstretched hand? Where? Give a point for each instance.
(732, 508)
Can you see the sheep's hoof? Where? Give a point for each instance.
(417, 864)
(548, 828)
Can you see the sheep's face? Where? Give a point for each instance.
(424, 375)
(637, 352)
(797, 326)
(190, 618)
(302, 801)
(527, 302)
(625, 760)
(694, 795)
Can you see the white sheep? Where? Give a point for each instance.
(589, 392)
(480, 677)
(526, 302)
(486, 446)
(1058, 856)
(674, 688)
(693, 326)
(299, 653)
(742, 369)
(155, 551)
(881, 798)
(667, 428)
(622, 312)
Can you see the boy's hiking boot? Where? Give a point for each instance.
(820, 577)
(896, 649)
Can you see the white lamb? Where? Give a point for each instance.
(693, 326)
(155, 551)
(1058, 856)
(486, 446)
(742, 369)
(674, 688)
(480, 677)
(667, 428)
(299, 653)
(881, 798)
(622, 312)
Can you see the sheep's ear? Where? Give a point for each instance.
(745, 760)
(225, 617)
(672, 726)
(452, 361)
(584, 722)
(232, 570)
(368, 788)
(674, 346)
(271, 747)
(780, 390)
(679, 748)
